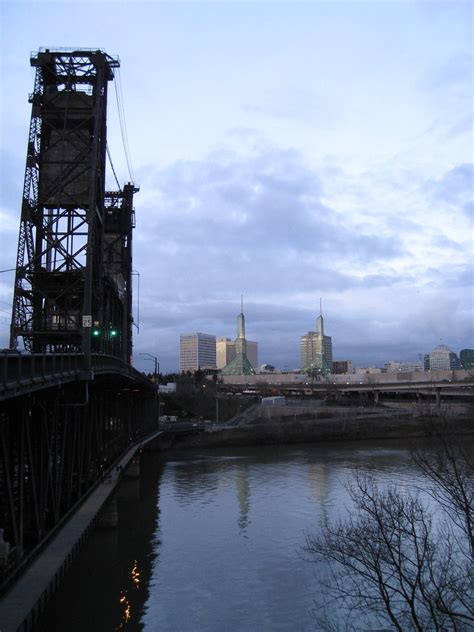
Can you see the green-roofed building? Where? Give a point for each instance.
(240, 365)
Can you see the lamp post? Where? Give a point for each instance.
(156, 378)
(157, 365)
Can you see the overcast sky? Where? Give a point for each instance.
(285, 151)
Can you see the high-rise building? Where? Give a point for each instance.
(443, 359)
(316, 349)
(225, 352)
(240, 364)
(197, 351)
(252, 352)
(467, 359)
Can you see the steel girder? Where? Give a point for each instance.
(65, 230)
(55, 445)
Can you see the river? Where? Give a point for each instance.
(213, 541)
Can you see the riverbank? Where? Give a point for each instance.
(329, 426)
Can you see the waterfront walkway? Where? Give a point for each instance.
(22, 604)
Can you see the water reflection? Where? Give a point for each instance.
(213, 541)
(243, 495)
(108, 584)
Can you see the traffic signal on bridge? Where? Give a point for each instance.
(113, 332)
(110, 332)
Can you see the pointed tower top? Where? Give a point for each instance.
(241, 320)
(319, 319)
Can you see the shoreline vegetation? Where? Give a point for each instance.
(286, 425)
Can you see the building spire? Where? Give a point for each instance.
(241, 320)
(240, 365)
(319, 319)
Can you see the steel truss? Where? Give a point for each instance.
(66, 279)
(55, 445)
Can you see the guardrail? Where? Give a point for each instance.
(24, 372)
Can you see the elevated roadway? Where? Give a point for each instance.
(25, 373)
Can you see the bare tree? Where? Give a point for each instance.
(399, 558)
(449, 474)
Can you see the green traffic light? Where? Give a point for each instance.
(113, 333)
(96, 332)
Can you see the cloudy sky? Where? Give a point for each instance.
(285, 151)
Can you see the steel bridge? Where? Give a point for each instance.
(70, 401)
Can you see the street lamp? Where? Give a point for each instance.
(157, 364)
(155, 375)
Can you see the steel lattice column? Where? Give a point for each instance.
(74, 256)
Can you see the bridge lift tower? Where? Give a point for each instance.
(73, 284)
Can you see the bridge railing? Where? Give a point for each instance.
(29, 370)
(18, 367)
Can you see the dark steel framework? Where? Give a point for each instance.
(55, 445)
(75, 241)
(73, 404)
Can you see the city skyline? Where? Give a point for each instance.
(310, 350)
(285, 151)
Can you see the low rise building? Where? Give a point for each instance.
(405, 367)
(340, 367)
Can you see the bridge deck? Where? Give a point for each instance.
(21, 374)
(20, 605)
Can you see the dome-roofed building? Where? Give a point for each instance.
(240, 365)
(443, 359)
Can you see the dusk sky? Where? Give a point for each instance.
(285, 151)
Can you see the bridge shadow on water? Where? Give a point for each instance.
(116, 563)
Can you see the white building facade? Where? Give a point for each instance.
(443, 359)
(197, 351)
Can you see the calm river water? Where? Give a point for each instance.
(213, 541)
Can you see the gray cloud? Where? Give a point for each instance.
(210, 230)
(257, 225)
(269, 204)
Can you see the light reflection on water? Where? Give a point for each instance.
(233, 531)
(213, 541)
